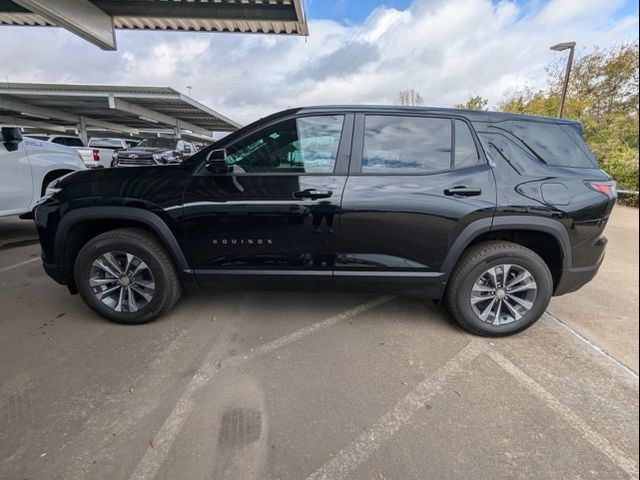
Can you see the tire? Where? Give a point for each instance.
(479, 277)
(154, 285)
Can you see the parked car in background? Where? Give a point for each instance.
(100, 151)
(66, 140)
(27, 167)
(492, 213)
(155, 151)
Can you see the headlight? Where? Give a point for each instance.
(156, 157)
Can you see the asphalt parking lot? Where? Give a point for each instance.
(279, 385)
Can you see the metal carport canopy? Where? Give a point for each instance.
(107, 108)
(95, 20)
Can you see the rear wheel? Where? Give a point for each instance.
(126, 276)
(499, 288)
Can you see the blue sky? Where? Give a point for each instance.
(348, 11)
(357, 11)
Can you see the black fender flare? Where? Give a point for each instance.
(553, 227)
(147, 217)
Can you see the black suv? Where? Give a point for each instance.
(493, 213)
(154, 151)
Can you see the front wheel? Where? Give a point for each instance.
(126, 276)
(499, 288)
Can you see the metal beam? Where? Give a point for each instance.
(201, 10)
(143, 113)
(78, 16)
(22, 107)
(20, 122)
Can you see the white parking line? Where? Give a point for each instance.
(616, 455)
(26, 262)
(340, 466)
(155, 455)
(597, 348)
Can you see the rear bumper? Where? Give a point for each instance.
(574, 278)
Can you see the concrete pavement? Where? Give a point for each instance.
(280, 385)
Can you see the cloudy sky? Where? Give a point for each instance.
(358, 51)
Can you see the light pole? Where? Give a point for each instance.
(189, 87)
(560, 47)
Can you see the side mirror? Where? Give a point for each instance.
(11, 136)
(217, 161)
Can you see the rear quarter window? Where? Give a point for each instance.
(555, 145)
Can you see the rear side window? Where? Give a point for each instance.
(556, 145)
(465, 153)
(404, 144)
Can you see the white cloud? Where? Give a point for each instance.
(447, 50)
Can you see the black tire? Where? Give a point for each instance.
(479, 259)
(146, 247)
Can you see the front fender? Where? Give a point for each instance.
(148, 218)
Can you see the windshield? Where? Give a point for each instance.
(157, 143)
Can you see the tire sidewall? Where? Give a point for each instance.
(93, 250)
(538, 270)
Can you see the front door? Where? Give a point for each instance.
(273, 217)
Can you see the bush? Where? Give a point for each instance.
(623, 167)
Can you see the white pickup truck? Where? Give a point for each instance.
(27, 167)
(99, 152)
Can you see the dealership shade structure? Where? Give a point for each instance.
(102, 110)
(96, 20)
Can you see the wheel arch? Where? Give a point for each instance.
(488, 229)
(70, 236)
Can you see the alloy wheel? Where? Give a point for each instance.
(503, 294)
(122, 281)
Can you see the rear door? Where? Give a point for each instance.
(416, 182)
(273, 217)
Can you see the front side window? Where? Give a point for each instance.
(297, 145)
(404, 144)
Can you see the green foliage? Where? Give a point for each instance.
(603, 95)
(474, 103)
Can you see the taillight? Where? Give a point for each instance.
(606, 188)
(96, 155)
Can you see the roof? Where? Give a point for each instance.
(471, 115)
(95, 20)
(118, 109)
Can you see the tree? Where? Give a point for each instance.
(603, 95)
(410, 98)
(475, 102)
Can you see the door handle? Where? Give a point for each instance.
(462, 191)
(312, 193)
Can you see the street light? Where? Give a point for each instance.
(560, 47)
